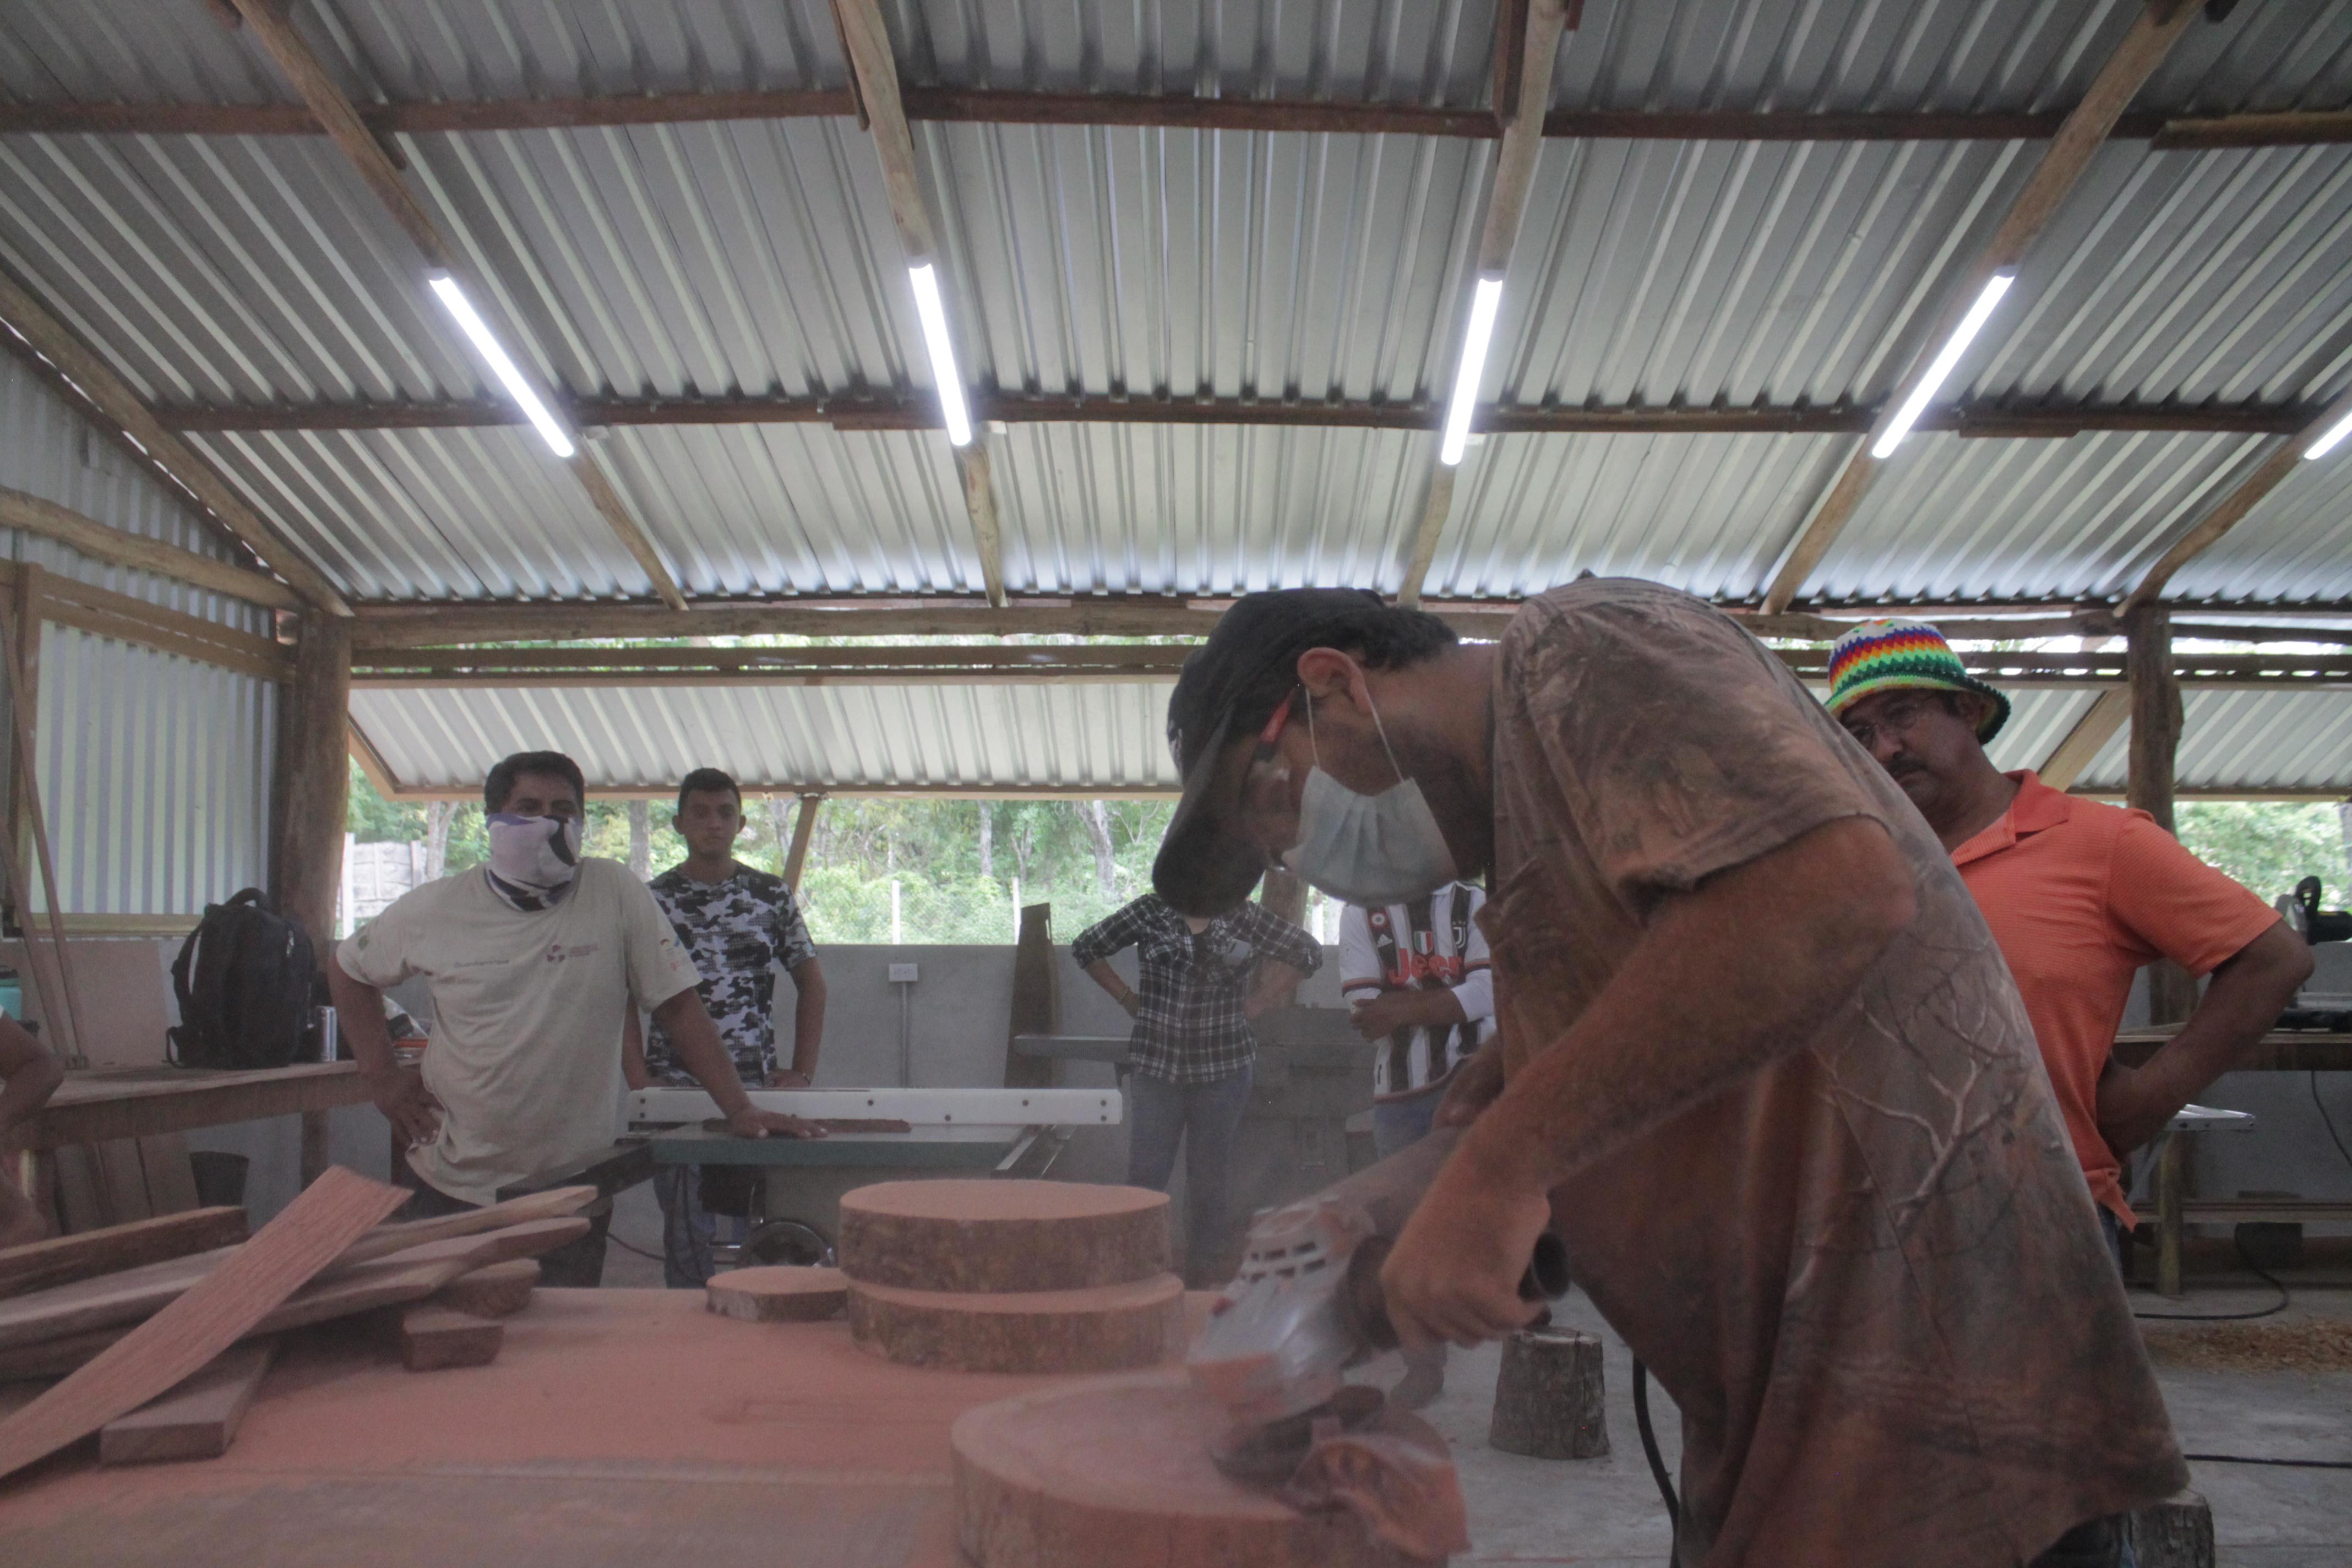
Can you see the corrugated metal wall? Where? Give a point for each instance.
(154, 770)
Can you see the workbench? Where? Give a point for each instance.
(2282, 1050)
(620, 1428)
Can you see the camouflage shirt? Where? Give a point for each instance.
(737, 931)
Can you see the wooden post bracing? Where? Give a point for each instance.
(311, 789)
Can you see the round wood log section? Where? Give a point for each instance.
(1002, 1235)
(1117, 1471)
(1547, 1398)
(1110, 1327)
(777, 1295)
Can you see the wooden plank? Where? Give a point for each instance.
(55, 979)
(495, 1291)
(171, 1180)
(2084, 742)
(2136, 54)
(431, 1338)
(803, 829)
(112, 397)
(99, 543)
(122, 1181)
(212, 1316)
(102, 613)
(198, 1420)
(79, 1205)
(625, 527)
(62, 1260)
(92, 1108)
(977, 472)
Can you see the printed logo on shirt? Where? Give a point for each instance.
(557, 952)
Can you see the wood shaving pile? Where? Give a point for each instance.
(2318, 1344)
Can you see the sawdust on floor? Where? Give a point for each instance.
(2317, 1344)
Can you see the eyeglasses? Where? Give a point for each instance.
(1897, 716)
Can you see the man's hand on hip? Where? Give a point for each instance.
(2133, 1108)
(1454, 1274)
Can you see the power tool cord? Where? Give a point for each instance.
(1650, 1444)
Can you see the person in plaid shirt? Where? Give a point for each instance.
(1192, 1053)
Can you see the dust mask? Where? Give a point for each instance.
(533, 855)
(1370, 850)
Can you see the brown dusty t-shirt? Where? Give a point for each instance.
(1870, 1275)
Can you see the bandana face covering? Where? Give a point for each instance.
(1370, 850)
(532, 858)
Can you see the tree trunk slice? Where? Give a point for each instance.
(2175, 1534)
(1117, 1470)
(778, 1294)
(1548, 1397)
(1002, 1235)
(1111, 1328)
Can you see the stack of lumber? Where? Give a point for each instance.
(162, 1341)
(1001, 1276)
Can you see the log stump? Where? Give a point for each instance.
(782, 1294)
(1547, 1398)
(1117, 1470)
(988, 1236)
(1110, 1327)
(2175, 1534)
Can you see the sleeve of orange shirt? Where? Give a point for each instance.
(2173, 905)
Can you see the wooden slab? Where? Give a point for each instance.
(967, 1234)
(1117, 1470)
(499, 1291)
(66, 1258)
(213, 1314)
(198, 1420)
(1110, 1327)
(432, 1338)
(171, 1179)
(778, 1294)
(557, 1203)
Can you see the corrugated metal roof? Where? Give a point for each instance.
(1035, 736)
(2253, 740)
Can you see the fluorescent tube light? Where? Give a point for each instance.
(1970, 325)
(454, 299)
(1483, 303)
(2330, 441)
(934, 314)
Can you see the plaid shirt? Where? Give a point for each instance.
(1188, 1026)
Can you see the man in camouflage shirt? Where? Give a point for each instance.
(740, 925)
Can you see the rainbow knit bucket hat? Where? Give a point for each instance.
(1896, 655)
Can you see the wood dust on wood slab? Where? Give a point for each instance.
(2318, 1344)
(1002, 1235)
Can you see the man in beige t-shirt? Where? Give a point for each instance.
(1760, 1064)
(536, 959)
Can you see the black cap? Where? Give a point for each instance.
(1228, 690)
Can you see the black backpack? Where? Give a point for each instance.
(243, 978)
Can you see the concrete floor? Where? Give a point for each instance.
(1605, 1512)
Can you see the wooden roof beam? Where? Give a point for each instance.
(114, 401)
(864, 414)
(2231, 509)
(379, 170)
(2137, 54)
(100, 541)
(866, 38)
(1536, 47)
(2081, 744)
(1183, 111)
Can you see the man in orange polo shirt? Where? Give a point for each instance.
(2079, 895)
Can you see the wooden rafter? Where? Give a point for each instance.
(2136, 54)
(1171, 111)
(2231, 509)
(112, 400)
(1526, 60)
(866, 39)
(94, 539)
(865, 414)
(2074, 753)
(274, 30)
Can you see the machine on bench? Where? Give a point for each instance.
(2325, 1002)
(794, 1196)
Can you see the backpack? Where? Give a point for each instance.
(243, 979)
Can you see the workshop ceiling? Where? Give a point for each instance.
(1675, 262)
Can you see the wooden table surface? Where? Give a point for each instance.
(2283, 1051)
(99, 1106)
(622, 1427)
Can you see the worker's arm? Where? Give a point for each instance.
(1389, 1011)
(1278, 982)
(1103, 974)
(634, 1071)
(1728, 977)
(2242, 1002)
(414, 1114)
(808, 1026)
(694, 1042)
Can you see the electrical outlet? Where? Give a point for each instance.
(902, 975)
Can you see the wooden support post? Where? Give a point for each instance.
(2155, 721)
(2175, 1534)
(311, 787)
(57, 986)
(804, 827)
(314, 1145)
(1036, 998)
(1548, 1397)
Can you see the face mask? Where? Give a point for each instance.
(1370, 850)
(537, 854)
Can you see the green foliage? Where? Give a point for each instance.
(373, 819)
(2269, 845)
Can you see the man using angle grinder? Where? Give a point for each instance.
(1758, 1063)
